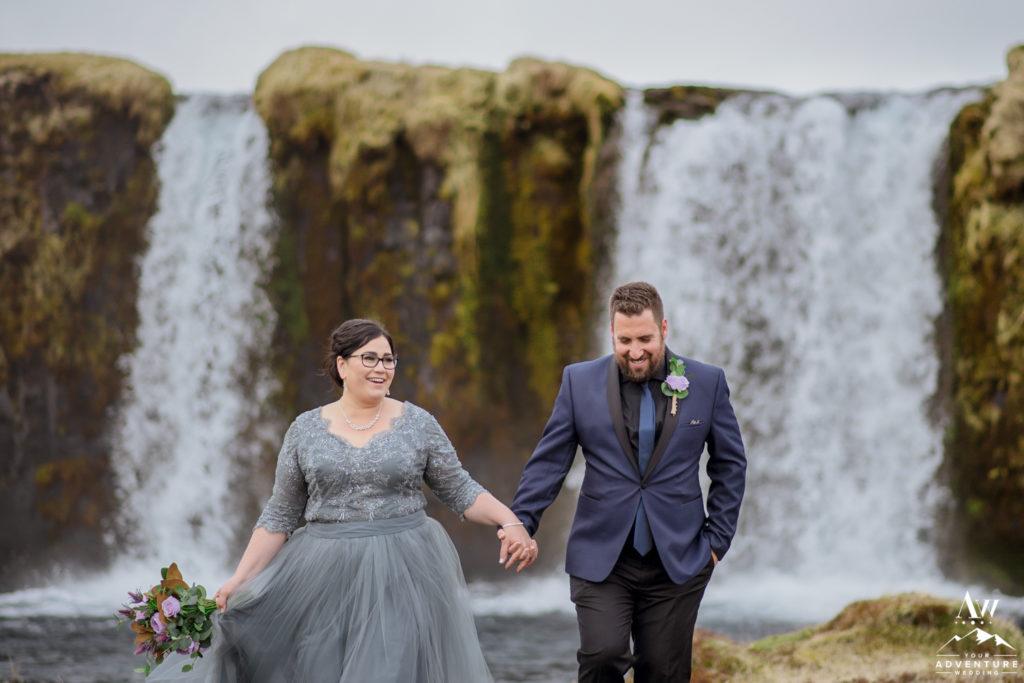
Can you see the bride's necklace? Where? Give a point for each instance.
(354, 426)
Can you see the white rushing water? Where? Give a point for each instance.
(203, 320)
(793, 241)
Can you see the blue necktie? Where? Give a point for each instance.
(642, 539)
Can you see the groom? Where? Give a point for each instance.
(642, 548)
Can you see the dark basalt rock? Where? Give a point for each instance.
(77, 186)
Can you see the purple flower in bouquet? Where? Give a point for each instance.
(162, 624)
(171, 607)
(677, 382)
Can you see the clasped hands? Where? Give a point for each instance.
(516, 546)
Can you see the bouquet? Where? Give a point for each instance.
(169, 617)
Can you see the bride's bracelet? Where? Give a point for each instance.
(505, 526)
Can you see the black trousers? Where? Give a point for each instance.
(637, 599)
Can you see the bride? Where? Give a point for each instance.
(370, 588)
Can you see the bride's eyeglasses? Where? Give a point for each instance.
(370, 360)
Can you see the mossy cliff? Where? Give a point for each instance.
(467, 210)
(77, 186)
(689, 102)
(894, 639)
(985, 277)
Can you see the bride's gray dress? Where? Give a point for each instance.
(370, 589)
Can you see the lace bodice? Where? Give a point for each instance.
(324, 478)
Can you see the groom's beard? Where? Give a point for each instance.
(644, 373)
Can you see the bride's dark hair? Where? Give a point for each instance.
(346, 338)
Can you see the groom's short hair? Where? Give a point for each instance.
(633, 298)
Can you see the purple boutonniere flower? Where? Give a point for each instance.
(676, 384)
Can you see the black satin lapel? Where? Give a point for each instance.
(615, 412)
(667, 429)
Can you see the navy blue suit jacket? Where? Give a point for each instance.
(588, 413)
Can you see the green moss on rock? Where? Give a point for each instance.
(456, 206)
(985, 280)
(77, 187)
(690, 102)
(890, 639)
(79, 82)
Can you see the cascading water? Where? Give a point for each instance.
(203, 321)
(793, 241)
(195, 380)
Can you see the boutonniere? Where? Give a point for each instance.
(676, 385)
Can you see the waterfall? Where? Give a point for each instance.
(793, 242)
(197, 379)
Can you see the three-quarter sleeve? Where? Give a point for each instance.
(283, 511)
(443, 472)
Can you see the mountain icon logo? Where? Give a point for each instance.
(976, 637)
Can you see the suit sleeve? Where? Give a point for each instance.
(727, 467)
(546, 469)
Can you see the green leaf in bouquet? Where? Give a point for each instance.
(142, 670)
(205, 633)
(186, 668)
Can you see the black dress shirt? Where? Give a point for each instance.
(631, 392)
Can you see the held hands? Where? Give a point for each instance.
(516, 546)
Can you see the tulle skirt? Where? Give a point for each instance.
(358, 602)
